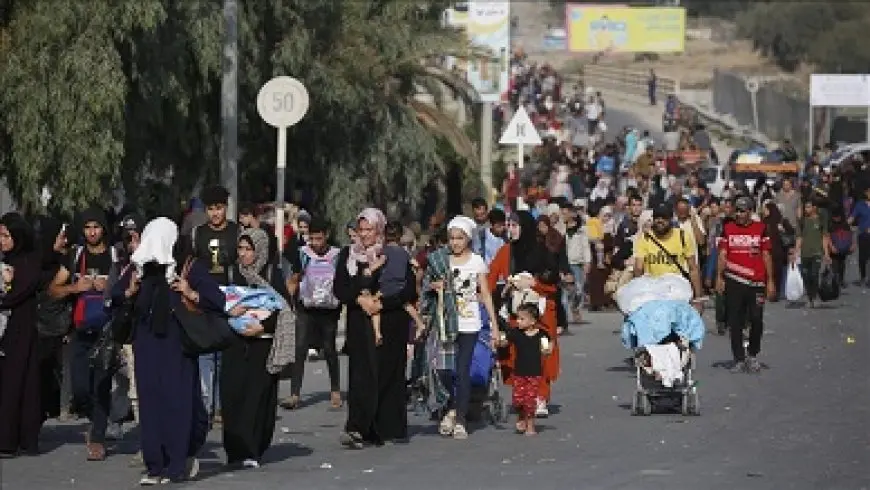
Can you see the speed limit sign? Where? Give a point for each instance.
(282, 102)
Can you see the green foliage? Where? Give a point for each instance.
(129, 92)
(821, 33)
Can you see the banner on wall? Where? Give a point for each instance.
(598, 28)
(488, 29)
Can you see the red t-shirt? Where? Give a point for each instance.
(744, 247)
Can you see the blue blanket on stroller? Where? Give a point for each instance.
(657, 319)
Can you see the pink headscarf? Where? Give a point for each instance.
(360, 254)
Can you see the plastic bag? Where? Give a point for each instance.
(829, 284)
(794, 283)
(645, 288)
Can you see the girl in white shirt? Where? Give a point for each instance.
(471, 290)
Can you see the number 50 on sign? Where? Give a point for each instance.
(282, 102)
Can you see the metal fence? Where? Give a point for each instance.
(780, 116)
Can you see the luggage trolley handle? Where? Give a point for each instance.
(441, 326)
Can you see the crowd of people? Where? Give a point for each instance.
(94, 321)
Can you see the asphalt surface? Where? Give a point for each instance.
(801, 424)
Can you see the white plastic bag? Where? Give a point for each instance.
(645, 288)
(794, 283)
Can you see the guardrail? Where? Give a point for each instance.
(634, 84)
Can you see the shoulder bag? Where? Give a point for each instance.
(202, 331)
(672, 258)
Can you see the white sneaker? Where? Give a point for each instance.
(542, 411)
(149, 481)
(250, 464)
(459, 432)
(192, 467)
(312, 354)
(448, 424)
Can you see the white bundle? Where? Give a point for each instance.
(642, 289)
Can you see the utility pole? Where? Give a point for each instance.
(230, 107)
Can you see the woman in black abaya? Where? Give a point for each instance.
(376, 398)
(54, 317)
(20, 411)
(249, 392)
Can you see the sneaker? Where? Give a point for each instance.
(541, 411)
(721, 328)
(115, 432)
(149, 481)
(312, 354)
(191, 469)
(137, 461)
(739, 367)
(459, 432)
(251, 464)
(752, 365)
(448, 424)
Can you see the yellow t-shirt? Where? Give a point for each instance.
(655, 262)
(594, 229)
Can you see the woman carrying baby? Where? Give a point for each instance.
(249, 392)
(526, 254)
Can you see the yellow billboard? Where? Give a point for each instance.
(597, 28)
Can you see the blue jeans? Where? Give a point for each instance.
(458, 382)
(573, 297)
(209, 367)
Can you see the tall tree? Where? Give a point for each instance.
(128, 92)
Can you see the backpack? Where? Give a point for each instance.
(91, 308)
(842, 240)
(318, 274)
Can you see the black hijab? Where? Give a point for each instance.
(527, 254)
(22, 236)
(47, 230)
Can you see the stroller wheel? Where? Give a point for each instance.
(640, 404)
(691, 404)
(499, 409)
(695, 403)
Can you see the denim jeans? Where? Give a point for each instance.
(459, 384)
(209, 367)
(576, 296)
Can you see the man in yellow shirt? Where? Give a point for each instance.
(667, 250)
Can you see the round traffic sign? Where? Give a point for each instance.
(752, 85)
(282, 102)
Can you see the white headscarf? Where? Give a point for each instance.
(464, 224)
(157, 241)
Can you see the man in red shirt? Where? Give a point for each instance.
(745, 277)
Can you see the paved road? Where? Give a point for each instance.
(802, 424)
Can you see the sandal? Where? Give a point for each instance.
(335, 400)
(291, 403)
(351, 440)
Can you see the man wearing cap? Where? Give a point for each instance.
(745, 277)
(667, 250)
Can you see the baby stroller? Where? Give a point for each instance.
(489, 400)
(665, 336)
(650, 387)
